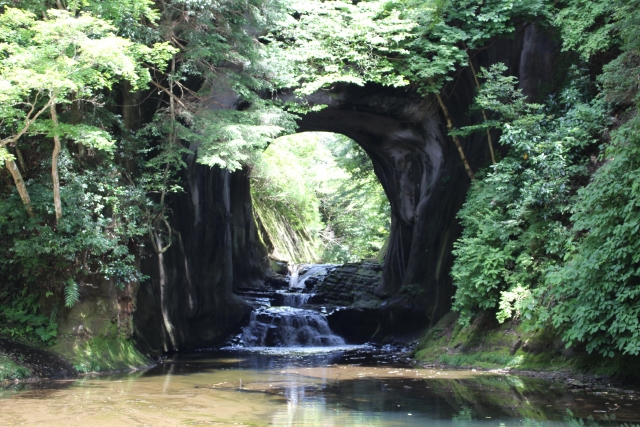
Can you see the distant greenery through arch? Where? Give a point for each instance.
(317, 199)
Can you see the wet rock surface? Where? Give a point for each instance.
(41, 363)
(351, 284)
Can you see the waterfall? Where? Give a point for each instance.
(293, 299)
(288, 327)
(293, 275)
(309, 271)
(278, 319)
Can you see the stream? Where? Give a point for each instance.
(325, 387)
(287, 368)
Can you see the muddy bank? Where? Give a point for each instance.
(21, 363)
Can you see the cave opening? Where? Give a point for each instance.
(323, 216)
(316, 199)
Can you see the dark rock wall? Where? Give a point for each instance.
(351, 284)
(188, 301)
(347, 293)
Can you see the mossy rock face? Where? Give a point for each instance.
(278, 266)
(10, 370)
(487, 344)
(95, 334)
(99, 354)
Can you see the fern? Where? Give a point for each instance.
(71, 293)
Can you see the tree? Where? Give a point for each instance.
(47, 63)
(515, 215)
(319, 43)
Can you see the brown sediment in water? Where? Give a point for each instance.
(241, 391)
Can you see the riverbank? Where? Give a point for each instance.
(512, 348)
(24, 363)
(20, 362)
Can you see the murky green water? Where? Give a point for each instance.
(352, 388)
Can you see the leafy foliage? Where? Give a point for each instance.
(448, 32)
(216, 46)
(563, 258)
(20, 317)
(357, 213)
(45, 61)
(591, 27)
(514, 218)
(323, 43)
(596, 290)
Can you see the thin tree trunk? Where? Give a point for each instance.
(162, 278)
(130, 117)
(57, 204)
(456, 140)
(23, 165)
(484, 113)
(20, 185)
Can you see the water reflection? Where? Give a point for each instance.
(353, 387)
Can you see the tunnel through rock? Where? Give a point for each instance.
(190, 301)
(316, 199)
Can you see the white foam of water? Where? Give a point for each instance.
(297, 281)
(295, 299)
(288, 327)
(297, 350)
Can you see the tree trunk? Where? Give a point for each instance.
(484, 113)
(54, 166)
(130, 117)
(456, 140)
(20, 185)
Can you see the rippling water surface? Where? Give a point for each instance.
(310, 387)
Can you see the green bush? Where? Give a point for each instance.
(515, 215)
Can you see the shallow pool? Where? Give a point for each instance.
(355, 386)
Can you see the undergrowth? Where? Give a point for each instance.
(9, 370)
(21, 318)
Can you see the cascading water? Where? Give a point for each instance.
(288, 327)
(293, 299)
(300, 274)
(286, 324)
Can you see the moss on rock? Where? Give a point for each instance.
(99, 354)
(11, 370)
(489, 345)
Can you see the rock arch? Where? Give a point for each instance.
(414, 159)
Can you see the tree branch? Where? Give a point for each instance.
(456, 140)
(29, 121)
